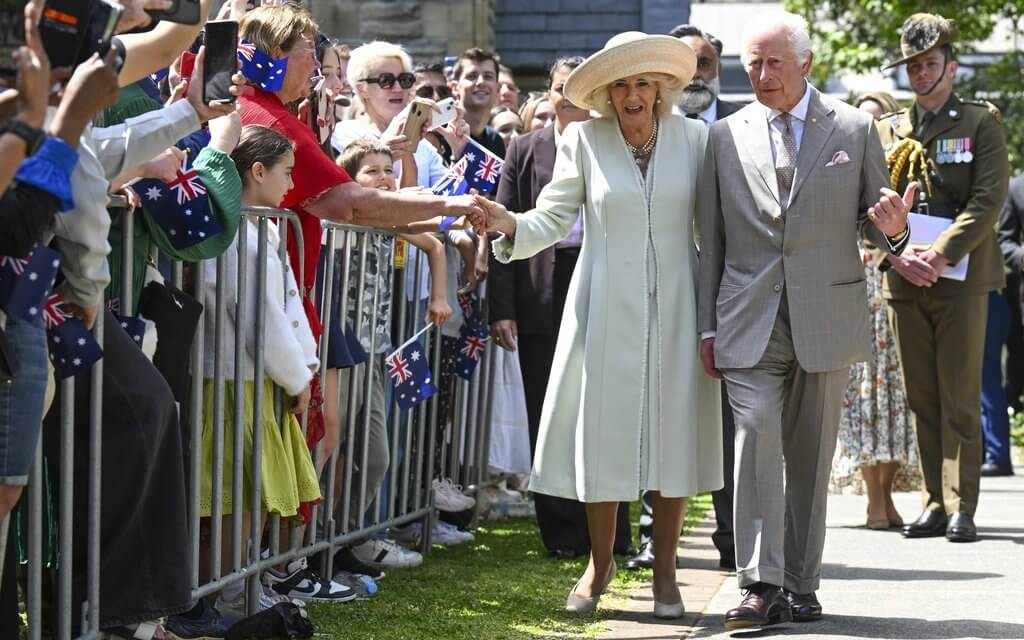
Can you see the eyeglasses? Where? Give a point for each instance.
(440, 91)
(387, 80)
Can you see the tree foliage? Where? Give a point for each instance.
(861, 35)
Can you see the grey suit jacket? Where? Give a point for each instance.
(748, 260)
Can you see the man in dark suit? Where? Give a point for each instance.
(700, 101)
(1011, 243)
(526, 299)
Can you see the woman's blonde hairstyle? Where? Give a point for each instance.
(529, 108)
(669, 89)
(881, 98)
(365, 56)
(280, 27)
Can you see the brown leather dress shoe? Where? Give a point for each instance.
(762, 605)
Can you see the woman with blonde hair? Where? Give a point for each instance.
(628, 407)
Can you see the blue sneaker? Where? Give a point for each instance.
(202, 622)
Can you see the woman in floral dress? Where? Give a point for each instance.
(876, 435)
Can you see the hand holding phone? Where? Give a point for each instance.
(220, 61)
(444, 112)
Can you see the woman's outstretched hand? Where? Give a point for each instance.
(499, 220)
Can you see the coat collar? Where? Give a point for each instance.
(946, 118)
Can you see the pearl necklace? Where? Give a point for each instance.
(647, 146)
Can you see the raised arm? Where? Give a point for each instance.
(158, 48)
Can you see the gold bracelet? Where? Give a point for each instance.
(899, 237)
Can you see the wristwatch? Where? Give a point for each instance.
(33, 137)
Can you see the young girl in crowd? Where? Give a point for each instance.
(264, 159)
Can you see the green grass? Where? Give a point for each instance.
(501, 586)
(1017, 429)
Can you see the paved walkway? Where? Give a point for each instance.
(876, 584)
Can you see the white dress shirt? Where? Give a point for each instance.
(799, 116)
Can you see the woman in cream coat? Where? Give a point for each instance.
(628, 407)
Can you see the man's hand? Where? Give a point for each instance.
(164, 166)
(195, 92)
(707, 358)
(505, 334)
(938, 261)
(890, 213)
(914, 268)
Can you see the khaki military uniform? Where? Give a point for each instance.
(941, 329)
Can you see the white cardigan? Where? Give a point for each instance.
(290, 355)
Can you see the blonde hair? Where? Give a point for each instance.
(669, 89)
(280, 27)
(529, 108)
(881, 98)
(365, 56)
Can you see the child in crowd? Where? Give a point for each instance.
(371, 165)
(264, 160)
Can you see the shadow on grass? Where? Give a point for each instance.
(501, 586)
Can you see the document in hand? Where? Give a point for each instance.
(924, 230)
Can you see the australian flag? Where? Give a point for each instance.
(472, 344)
(483, 169)
(25, 282)
(452, 184)
(134, 326)
(260, 68)
(181, 207)
(72, 347)
(410, 373)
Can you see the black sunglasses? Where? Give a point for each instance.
(442, 91)
(387, 80)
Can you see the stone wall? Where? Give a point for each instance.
(429, 29)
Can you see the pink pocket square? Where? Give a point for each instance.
(840, 157)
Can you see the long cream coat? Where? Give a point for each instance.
(626, 383)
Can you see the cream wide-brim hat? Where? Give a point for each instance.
(628, 54)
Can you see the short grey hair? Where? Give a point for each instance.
(796, 28)
(669, 89)
(365, 56)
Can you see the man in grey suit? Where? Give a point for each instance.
(790, 183)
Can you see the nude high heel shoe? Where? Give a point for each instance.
(665, 611)
(580, 604)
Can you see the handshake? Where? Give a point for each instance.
(485, 215)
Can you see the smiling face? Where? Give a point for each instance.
(776, 74)
(508, 91)
(382, 103)
(376, 171)
(634, 99)
(477, 87)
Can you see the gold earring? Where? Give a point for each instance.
(658, 100)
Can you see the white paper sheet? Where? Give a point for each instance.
(924, 230)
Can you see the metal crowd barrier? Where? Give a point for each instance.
(462, 439)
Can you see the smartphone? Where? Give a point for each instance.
(181, 11)
(221, 62)
(419, 113)
(445, 114)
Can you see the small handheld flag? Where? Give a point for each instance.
(29, 281)
(72, 347)
(472, 344)
(407, 367)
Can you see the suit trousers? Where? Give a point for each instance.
(562, 522)
(941, 342)
(782, 412)
(1014, 372)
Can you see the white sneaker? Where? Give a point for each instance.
(449, 497)
(388, 554)
(448, 531)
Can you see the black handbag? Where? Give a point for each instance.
(283, 621)
(8, 361)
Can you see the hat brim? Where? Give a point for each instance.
(653, 54)
(941, 42)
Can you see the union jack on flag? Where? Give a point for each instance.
(25, 282)
(472, 344)
(398, 368)
(473, 347)
(260, 68)
(187, 185)
(246, 50)
(488, 170)
(55, 312)
(17, 265)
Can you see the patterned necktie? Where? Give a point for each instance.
(785, 160)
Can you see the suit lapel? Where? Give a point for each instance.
(817, 130)
(757, 147)
(543, 157)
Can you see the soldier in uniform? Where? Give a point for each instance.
(956, 150)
